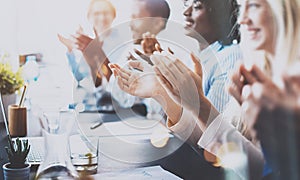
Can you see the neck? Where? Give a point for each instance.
(270, 56)
(203, 45)
(104, 33)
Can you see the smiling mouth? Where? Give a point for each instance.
(188, 24)
(252, 33)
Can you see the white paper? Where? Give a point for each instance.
(154, 172)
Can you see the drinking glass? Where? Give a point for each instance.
(84, 153)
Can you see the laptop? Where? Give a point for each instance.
(36, 154)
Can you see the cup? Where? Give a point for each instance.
(17, 120)
(84, 153)
(52, 116)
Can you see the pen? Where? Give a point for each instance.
(96, 125)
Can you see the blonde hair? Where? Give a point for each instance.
(286, 14)
(111, 6)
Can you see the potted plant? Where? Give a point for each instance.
(17, 152)
(10, 82)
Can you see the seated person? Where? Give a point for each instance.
(101, 14)
(98, 60)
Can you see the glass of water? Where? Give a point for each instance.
(84, 153)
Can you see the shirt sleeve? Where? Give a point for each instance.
(219, 134)
(75, 67)
(186, 128)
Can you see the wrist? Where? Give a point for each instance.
(172, 109)
(206, 113)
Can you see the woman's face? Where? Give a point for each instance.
(197, 21)
(101, 16)
(257, 24)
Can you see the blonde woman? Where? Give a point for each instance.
(271, 104)
(101, 14)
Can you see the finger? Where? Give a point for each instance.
(170, 50)
(246, 93)
(249, 78)
(250, 110)
(79, 38)
(95, 33)
(197, 65)
(131, 57)
(121, 84)
(292, 82)
(159, 62)
(60, 37)
(237, 80)
(158, 48)
(263, 96)
(163, 81)
(259, 75)
(121, 69)
(80, 30)
(146, 35)
(137, 65)
(115, 72)
(182, 67)
(169, 71)
(143, 56)
(122, 74)
(236, 93)
(112, 66)
(177, 68)
(133, 79)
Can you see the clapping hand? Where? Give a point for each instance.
(149, 43)
(260, 97)
(140, 81)
(70, 44)
(182, 84)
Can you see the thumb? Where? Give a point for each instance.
(197, 65)
(95, 32)
(140, 65)
(80, 30)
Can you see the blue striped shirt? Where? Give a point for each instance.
(217, 62)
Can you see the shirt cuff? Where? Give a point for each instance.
(186, 128)
(209, 136)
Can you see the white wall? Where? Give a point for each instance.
(30, 26)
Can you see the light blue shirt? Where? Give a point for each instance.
(79, 67)
(218, 61)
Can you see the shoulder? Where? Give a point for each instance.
(230, 54)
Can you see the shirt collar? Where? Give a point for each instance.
(212, 49)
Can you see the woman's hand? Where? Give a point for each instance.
(261, 99)
(67, 42)
(139, 81)
(148, 43)
(183, 85)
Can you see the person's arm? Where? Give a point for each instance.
(97, 61)
(221, 134)
(71, 57)
(75, 66)
(94, 56)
